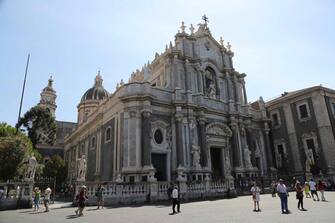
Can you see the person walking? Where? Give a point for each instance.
(307, 190)
(294, 182)
(169, 192)
(300, 196)
(37, 197)
(255, 191)
(175, 200)
(46, 201)
(99, 194)
(282, 193)
(312, 186)
(81, 199)
(321, 188)
(273, 185)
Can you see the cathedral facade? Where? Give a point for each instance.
(182, 117)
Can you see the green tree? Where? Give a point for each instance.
(56, 167)
(13, 149)
(40, 124)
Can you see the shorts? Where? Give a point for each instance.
(100, 199)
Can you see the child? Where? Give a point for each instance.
(37, 196)
(256, 196)
(307, 189)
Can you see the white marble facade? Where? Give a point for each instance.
(183, 116)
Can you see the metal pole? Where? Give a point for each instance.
(23, 87)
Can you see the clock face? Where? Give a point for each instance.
(48, 98)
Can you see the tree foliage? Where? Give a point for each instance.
(13, 149)
(40, 124)
(56, 167)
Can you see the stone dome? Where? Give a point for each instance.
(97, 92)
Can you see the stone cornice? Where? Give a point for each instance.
(297, 94)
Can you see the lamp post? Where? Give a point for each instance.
(23, 87)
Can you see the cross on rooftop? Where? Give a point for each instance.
(205, 18)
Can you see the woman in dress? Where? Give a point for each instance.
(255, 191)
(300, 196)
(81, 199)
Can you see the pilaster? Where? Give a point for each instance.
(203, 142)
(146, 129)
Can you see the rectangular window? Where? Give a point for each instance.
(280, 149)
(310, 144)
(275, 120)
(93, 142)
(303, 111)
(333, 108)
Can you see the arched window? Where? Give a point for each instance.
(82, 149)
(108, 134)
(93, 142)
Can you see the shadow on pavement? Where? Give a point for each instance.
(72, 216)
(38, 212)
(28, 211)
(93, 209)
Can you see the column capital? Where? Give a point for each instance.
(132, 113)
(146, 113)
(201, 120)
(266, 129)
(178, 117)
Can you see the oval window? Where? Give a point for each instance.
(158, 136)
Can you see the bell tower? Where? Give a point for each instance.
(48, 98)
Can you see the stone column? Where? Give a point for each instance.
(230, 93)
(268, 152)
(179, 137)
(235, 147)
(146, 129)
(203, 142)
(200, 82)
(244, 93)
(238, 92)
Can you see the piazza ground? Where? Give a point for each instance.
(232, 210)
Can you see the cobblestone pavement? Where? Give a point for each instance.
(226, 210)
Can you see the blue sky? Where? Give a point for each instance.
(280, 45)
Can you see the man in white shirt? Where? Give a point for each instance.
(282, 193)
(46, 200)
(312, 186)
(175, 200)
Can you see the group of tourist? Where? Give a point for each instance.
(310, 188)
(81, 199)
(37, 198)
(282, 191)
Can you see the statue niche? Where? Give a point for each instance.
(210, 83)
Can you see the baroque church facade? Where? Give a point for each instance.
(182, 117)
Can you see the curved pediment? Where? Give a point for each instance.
(218, 129)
